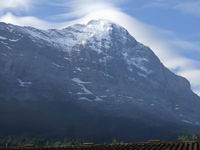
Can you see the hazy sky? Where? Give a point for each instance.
(169, 27)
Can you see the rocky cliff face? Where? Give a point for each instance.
(98, 69)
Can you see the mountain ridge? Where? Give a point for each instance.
(98, 68)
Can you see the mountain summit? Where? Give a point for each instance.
(92, 81)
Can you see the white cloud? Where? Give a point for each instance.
(191, 7)
(193, 75)
(81, 8)
(185, 6)
(25, 21)
(15, 4)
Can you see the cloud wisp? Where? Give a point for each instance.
(191, 7)
(15, 4)
(26, 21)
(185, 6)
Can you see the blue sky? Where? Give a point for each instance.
(169, 27)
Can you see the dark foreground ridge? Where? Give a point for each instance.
(135, 146)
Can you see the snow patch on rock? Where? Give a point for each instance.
(24, 83)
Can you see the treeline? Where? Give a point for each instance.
(39, 141)
(189, 137)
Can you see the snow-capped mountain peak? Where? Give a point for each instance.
(99, 25)
(96, 33)
(96, 66)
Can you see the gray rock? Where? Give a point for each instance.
(99, 67)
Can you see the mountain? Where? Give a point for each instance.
(93, 82)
